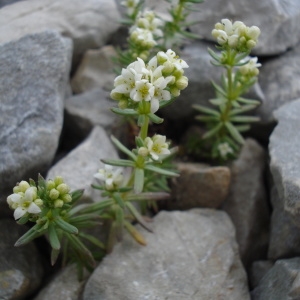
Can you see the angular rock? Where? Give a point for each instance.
(199, 186)
(282, 282)
(279, 79)
(258, 271)
(95, 70)
(21, 268)
(247, 204)
(80, 165)
(33, 85)
(192, 255)
(8, 2)
(88, 23)
(200, 88)
(279, 21)
(64, 286)
(90, 109)
(285, 156)
(284, 233)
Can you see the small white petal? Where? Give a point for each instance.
(33, 208)
(19, 212)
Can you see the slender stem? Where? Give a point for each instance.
(144, 129)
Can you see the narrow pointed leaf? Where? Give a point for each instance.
(248, 101)
(54, 256)
(212, 131)
(219, 89)
(119, 215)
(96, 207)
(125, 112)
(137, 216)
(53, 238)
(30, 235)
(111, 238)
(65, 226)
(234, 133)
(135, 233)
(214, 55)
(242, 128)
(206, 118)
(138, 180)
(206, 110)
(118, 199)
(92, 240)
(118, 162)
(244, 119)
(155, 119)
(121, 147)
(76, 195)
(161, 171)
(148, 196)
(237, 111)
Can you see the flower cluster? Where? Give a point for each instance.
(131, 5)
(236, 36)
(224, 149)
(161, 79)
(113, 177)
(58, 192)
(250, 69)
(24, 200)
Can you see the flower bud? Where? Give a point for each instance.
(251, 44)
(182, 83)
(253, 32)
(58, 203)
(143, 151)
(175, 91)
(58, 180)
(116, 96)
(123, 104)
(63, 188)
(54, 194)
(50, 185)
(67, 198)
(168, 68)
(38, 202)
(16, 189)
(233, 41)
(23, 186)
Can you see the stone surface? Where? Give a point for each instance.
(284, 234)
(191, 255)
(84, 111)
(199, 186)
(200, 73)
(95, 70)
(80, 165)
(21, 269)
(285, 156)
(279, 21)
(282, 282)
(64, 286)
(33, 85)
(279, 79)
(258, 271)
(88, 23)
(8, 2)
(246, 203)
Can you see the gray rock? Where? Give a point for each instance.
(278, 20)
(285, 156)
(246, 203)
(84, 111)
(279, 79)
(284, 233)
(191, 255)
(282, 282)
(88, 23)
(258, 271)
(199, 186)
(79, 166)
(33, 85)
(95, 70)
(200, 88)
(65, 286)
(8, 2)
(21, 269)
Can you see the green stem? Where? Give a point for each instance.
(144, 129)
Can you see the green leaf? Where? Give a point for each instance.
(217, 101)
(30, 235)
(148, 196)
(111, 237)
(138, 180)
(161, 171)
(248, 101)
(242, 128)
(121, 147)
(206, 118)
(139, 141)
(219, 89)
(92, 239)
(119, 219)
(212, 131)
(244, 119)
(119, 162)
(125, 112)
(214, 55)
(24, 219)
(206, 110)
(137, 216)
(65, 226)
(135, 233)
(53, 238)
(76, 195)
(118, 199)
(234, 132)
(155, 119)
(237, 111)
(98, 206)
(54, 256)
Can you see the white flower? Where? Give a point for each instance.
(112, 177)
(144, 90)
(149, 21)
(157, 146)
(224, 149)
(143, 37)
(171, 57)
(24, 202)
(251, 68)
(131, 5)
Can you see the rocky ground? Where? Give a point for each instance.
(228, 232)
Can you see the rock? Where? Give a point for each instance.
(284, 234)
(88, 23)
(31, 104)
(258, 271)
(246, 203)
(279, 21)
(65, 286)
(200, 88)
(21, 270)
(282, 282)
(279, 79)
(90, 109)
(80, 165)
(285, 156)
(95, 70)
(199, 186)
(8, 2)
(191, 255)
